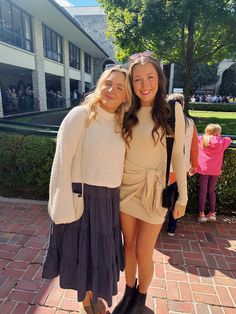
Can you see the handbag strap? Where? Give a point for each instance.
(81, 161)
(82, 156)
(170, 139)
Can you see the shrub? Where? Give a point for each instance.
(10, 146)
(25, 162)
(34, 162)
(212, 107)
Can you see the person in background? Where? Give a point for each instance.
(87, 251)
(144, 129)
(191, 155)
(211, 152)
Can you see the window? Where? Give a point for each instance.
(15, 26)
(27, 30)
(52, 44)
(74, 53)
(87, 63)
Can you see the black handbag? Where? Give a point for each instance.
(170, 192)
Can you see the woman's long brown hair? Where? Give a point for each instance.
(160, 109)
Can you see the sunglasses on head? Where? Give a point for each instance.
(117, 66)
(146, 53)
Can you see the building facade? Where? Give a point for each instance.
(94, 21)
(47, 60)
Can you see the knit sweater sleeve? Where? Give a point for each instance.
(178, 158)
(60, 205)
(194, 148)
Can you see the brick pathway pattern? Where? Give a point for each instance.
(195, 272)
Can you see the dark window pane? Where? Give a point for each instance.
(15, 26)
(49, 54)
(52, 44)
(87, 63)
(6, 15)
(17, 21)
(48, 39)
(74, 54)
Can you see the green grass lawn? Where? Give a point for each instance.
(227, 120)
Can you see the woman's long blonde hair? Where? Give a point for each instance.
(210, 130)
(93, 99)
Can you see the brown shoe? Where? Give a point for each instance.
(86, 305)
(99, 307)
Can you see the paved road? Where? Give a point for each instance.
(195, 272)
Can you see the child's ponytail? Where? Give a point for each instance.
(210, 130)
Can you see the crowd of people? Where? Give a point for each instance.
(55, 99)
(212, 98)
(109, 172)
(17, 100)
(20, 99)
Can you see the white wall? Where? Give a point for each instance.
(74, 74)
(17, 57)
(54, 68)
(87, 78)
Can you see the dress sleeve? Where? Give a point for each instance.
(178, 158)
(194, 148)
(60, 205)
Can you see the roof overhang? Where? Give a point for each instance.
(56, 17)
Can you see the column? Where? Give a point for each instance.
(171, 81)
(65, 81)
(92, 73)
(82, 84)
(1, 106)
(38, 75)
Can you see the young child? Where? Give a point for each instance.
(211, 153)
(191, 155)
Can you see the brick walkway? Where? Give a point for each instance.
(195, 272)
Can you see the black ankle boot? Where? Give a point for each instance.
(127, 300)
(139, 305)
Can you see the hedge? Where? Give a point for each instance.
(212, 106)
(25, 164)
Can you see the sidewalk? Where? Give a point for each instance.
(195, 272)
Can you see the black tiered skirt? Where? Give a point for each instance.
(88, 254)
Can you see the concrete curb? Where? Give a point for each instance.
(23, 201)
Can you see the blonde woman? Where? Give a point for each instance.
(87, 253)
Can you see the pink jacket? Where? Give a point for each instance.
(210, 159)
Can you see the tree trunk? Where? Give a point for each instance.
(187, 89)
(188, 65)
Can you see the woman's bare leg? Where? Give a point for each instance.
(129, 229)
(146, 238)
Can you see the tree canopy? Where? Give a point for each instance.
(187, 32)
